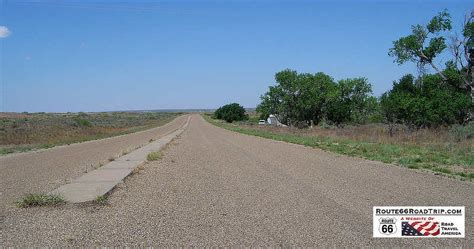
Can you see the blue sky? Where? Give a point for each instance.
(74, 56)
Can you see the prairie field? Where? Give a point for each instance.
(27, 131)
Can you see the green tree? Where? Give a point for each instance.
(302, 99)
(231, 112)
(463, 63)
(425, 43)
(424, 102)
(350, 101)
(297, 98)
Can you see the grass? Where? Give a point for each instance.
(32, 200)
(153, 156)
(102, 200)
(451, 160)
(20, 132)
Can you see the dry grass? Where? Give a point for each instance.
(436, 150)
(22, 131)
(139, 168)
(378, 133)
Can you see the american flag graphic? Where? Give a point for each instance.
(420, 228)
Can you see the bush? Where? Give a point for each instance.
(82, 122)
(230, 113)
(425, 102)
(153, 156)
(460, 132)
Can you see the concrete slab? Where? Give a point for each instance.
(122, 164)
(100, 181)
(141, 154)
(135, 156)
(108, 175)
(82, 192)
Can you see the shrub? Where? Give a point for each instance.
(230, 113)
(153, 156)
(460, 132)
(82, 122)
(425, 102)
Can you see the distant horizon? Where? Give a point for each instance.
(75, 56)
(151, 110)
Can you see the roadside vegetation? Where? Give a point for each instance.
(102, 199)
(231, 112)
(153, 156)
(27, 131)
(33, 200)
(424, 150)
(423, 122)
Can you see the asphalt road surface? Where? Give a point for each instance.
(45, 170)
(217, 187)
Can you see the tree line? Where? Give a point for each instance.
(428, 100)
(303, 99)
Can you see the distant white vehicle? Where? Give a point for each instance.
(261, 122)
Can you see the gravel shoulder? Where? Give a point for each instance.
(44, 170)
(217, 187)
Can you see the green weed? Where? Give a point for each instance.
(31, 200)
(102, 199)
(153, 156)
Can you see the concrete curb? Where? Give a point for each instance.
(102, 180)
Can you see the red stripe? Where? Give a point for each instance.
(424, 224)
(435, 225)
(428, 230)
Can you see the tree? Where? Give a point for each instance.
(463, 52)
(297, 97)
(425, 43)
(350, 101)
(231, 112)
(272, 102)
(424, 102)
(303, 99)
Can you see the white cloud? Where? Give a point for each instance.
(4, 32)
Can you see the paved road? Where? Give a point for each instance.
(43, 171)
(216, 187)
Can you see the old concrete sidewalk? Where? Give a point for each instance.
(100, 181)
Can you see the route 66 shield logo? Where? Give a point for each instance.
(387, 225)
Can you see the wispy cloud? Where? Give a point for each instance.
(4, 32)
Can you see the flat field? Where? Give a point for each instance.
(27, 131)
